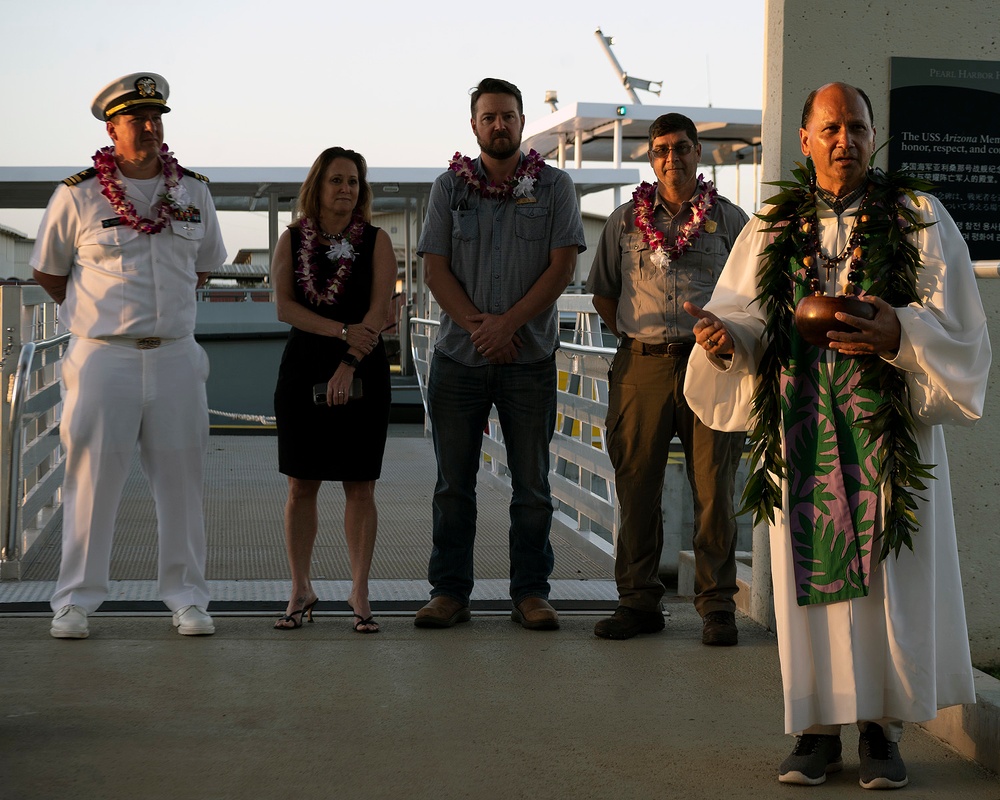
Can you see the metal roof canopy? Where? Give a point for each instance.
(253, 188)
(274, 189)
(619, 133)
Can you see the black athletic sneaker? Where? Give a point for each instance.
(881, 765)
(815, 755)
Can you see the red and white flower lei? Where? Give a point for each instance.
(341, 251)
(644, 200)
(520, 184)
(174, 202)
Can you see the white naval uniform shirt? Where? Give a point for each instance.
(123, 282)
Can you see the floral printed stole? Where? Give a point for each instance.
(833, 466)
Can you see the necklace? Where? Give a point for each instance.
(326, 289)
(814, 252)
(521, 184)
(174, 202)
(644, 201)
(888, 269)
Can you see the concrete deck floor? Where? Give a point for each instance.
(485, 710)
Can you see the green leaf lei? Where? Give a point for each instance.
(890, 264)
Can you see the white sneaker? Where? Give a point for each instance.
(70, 622)
(193, 621)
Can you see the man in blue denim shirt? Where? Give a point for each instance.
(499, 246)
(666, 246)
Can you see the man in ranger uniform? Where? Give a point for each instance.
(665, 247)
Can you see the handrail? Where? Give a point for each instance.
(19, 396)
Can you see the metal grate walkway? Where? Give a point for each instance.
(244, 504)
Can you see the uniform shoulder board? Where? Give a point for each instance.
(73, 180)
(197, 175)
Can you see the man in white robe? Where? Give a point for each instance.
(900, 652)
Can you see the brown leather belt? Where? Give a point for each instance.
(672, 349)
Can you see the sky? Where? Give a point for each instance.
(256, 83)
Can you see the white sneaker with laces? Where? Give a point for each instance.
(193, 621)
(70, 622)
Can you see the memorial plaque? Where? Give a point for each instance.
(944, 126)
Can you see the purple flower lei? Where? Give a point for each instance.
(319, 290)
(173, 203)
(520, 184)
(644, 200)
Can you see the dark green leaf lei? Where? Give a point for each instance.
(890, 265)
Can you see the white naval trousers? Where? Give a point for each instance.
(115, 396)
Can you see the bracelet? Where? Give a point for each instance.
(343, 333)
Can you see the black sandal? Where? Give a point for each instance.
(296, 623)
(362, 621)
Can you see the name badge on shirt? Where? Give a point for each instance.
(111, 223)
(522, 200)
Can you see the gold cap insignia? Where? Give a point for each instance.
(146, 87)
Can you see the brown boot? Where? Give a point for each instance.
(627, 622)
(535, 614)
(719, 629)
(442, 612)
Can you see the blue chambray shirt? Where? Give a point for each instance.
(496, 250)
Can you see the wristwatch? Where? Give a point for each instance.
(350, 360)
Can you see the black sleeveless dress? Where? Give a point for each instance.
(338, 443)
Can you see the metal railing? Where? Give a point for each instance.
(31, 469)
(36, 463)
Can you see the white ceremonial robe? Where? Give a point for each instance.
(902, 652)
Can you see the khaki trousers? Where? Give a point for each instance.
(646, 409)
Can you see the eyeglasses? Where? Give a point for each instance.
(682, 149)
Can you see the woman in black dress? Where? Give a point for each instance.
(333, 276)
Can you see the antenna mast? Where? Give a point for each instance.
(630, 83)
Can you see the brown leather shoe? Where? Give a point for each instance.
(442, 612)
(627, 622)
(535, 614)
(719, 629)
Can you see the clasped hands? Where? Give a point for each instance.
(878, 335)
(362, 337)
(493, 339)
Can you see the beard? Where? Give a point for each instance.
(500, 146)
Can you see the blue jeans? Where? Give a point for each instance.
(459, 401)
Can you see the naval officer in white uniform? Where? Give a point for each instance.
(122, 248)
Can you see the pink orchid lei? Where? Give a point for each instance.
(520, 184)
(341, 251)
(174, 202)
(644, 200)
